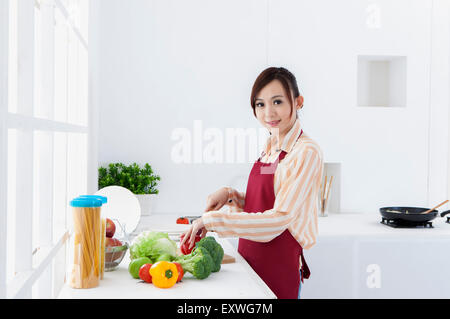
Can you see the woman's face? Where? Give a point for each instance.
(273, 108)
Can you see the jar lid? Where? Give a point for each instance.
(85, 202)
(104, 199)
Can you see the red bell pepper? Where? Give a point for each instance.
(185, 250)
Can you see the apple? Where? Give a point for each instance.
(112, 242)
(110, 228)
(110, 254)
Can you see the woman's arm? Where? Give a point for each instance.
(292, 200)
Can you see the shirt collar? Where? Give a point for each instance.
(288, 142)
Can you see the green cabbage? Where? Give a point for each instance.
(152, 244)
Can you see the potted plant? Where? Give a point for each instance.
(140, 181)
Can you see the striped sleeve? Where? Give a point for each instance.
(265, 226)
(236, 200)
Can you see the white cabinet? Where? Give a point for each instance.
(357, 257)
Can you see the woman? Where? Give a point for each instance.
(276, 218)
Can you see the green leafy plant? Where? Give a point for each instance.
(138, 180)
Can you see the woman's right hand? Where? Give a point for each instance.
(216, 200)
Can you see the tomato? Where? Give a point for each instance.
(182, 220)
(180, 272)
(185, 250)
(144, 273)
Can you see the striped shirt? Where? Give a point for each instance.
(297, 182)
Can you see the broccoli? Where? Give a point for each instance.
(199, 263)
(214, 249)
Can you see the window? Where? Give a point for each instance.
(44, 137)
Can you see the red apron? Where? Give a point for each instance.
(276, 261)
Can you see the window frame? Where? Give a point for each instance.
(38, 265)
(4, 47)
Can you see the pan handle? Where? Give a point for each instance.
(445, 213)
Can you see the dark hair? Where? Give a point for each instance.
(286, 78)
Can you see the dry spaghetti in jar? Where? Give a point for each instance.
(86, 260)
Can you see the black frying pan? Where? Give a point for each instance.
(410, 214)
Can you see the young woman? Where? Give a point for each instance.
(276, 218)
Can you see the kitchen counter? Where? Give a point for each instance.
(358, 257)
(355, 257)
(368, 225)
(234, 280)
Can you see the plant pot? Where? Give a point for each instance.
(146, 201)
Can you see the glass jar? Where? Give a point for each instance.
(85, 265)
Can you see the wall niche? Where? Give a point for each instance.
(381, 81)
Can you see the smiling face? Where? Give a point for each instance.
(273, 108)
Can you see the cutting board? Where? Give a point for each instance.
(227, 259)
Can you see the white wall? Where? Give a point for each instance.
(164, 64)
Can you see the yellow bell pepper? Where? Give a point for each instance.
(164, 274)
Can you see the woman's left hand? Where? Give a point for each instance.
(189, 236)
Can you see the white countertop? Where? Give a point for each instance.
(368, 225)
(358, 257)
(341, 234)
(235, 280)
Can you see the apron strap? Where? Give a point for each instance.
(305, 269)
